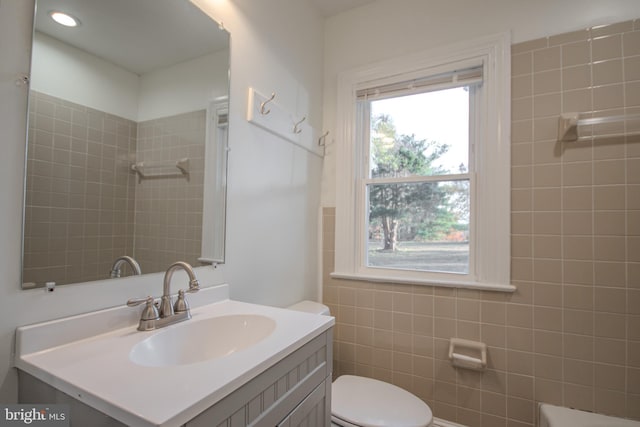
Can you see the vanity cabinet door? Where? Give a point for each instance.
(287, 393)
(314, 411)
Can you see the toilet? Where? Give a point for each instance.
(365, 402)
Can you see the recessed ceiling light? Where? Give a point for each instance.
(64, 19)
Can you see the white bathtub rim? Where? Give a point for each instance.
(558, 416)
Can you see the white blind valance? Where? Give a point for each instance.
(465, 77)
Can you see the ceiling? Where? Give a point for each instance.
(333, 7)
(119, 30)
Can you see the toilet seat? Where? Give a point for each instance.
(365, 402)
(337, 422)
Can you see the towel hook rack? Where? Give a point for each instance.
(265, 102)
(296, 129)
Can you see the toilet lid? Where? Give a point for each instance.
(371, 403)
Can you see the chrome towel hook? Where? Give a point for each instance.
(264, 103)
(323, 139)
(296, 129)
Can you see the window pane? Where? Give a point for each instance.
(419, 226)
(423, 134)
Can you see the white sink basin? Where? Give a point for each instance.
(200, 340)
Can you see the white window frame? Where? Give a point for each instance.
(491, 251)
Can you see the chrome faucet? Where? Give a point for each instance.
(116, 270)
(153, 317)
(166, 309)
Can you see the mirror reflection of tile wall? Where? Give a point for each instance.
(81, 192)
(79, 201)
(168, 211)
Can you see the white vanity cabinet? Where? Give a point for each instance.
(296, 391)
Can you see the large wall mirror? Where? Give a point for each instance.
(127, 140)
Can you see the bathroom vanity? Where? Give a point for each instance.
(233, 364)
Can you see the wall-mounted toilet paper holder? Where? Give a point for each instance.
(468, 354)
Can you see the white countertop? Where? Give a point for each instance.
(87, 357)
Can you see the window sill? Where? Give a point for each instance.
(479, 286)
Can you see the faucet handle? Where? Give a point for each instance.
(181, 304)
(137, 301)
(149, 314)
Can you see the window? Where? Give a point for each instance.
(424, 169)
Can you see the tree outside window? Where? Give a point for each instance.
(418, 207)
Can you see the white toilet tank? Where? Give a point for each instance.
(310, 307)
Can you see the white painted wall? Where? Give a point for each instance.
(72, 74)
(69, 73)
(184, 87)
(273, 186)
(390, 28)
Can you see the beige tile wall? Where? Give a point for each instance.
(79, 199)
(82, 197)
(168, 211)
(570, 334)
